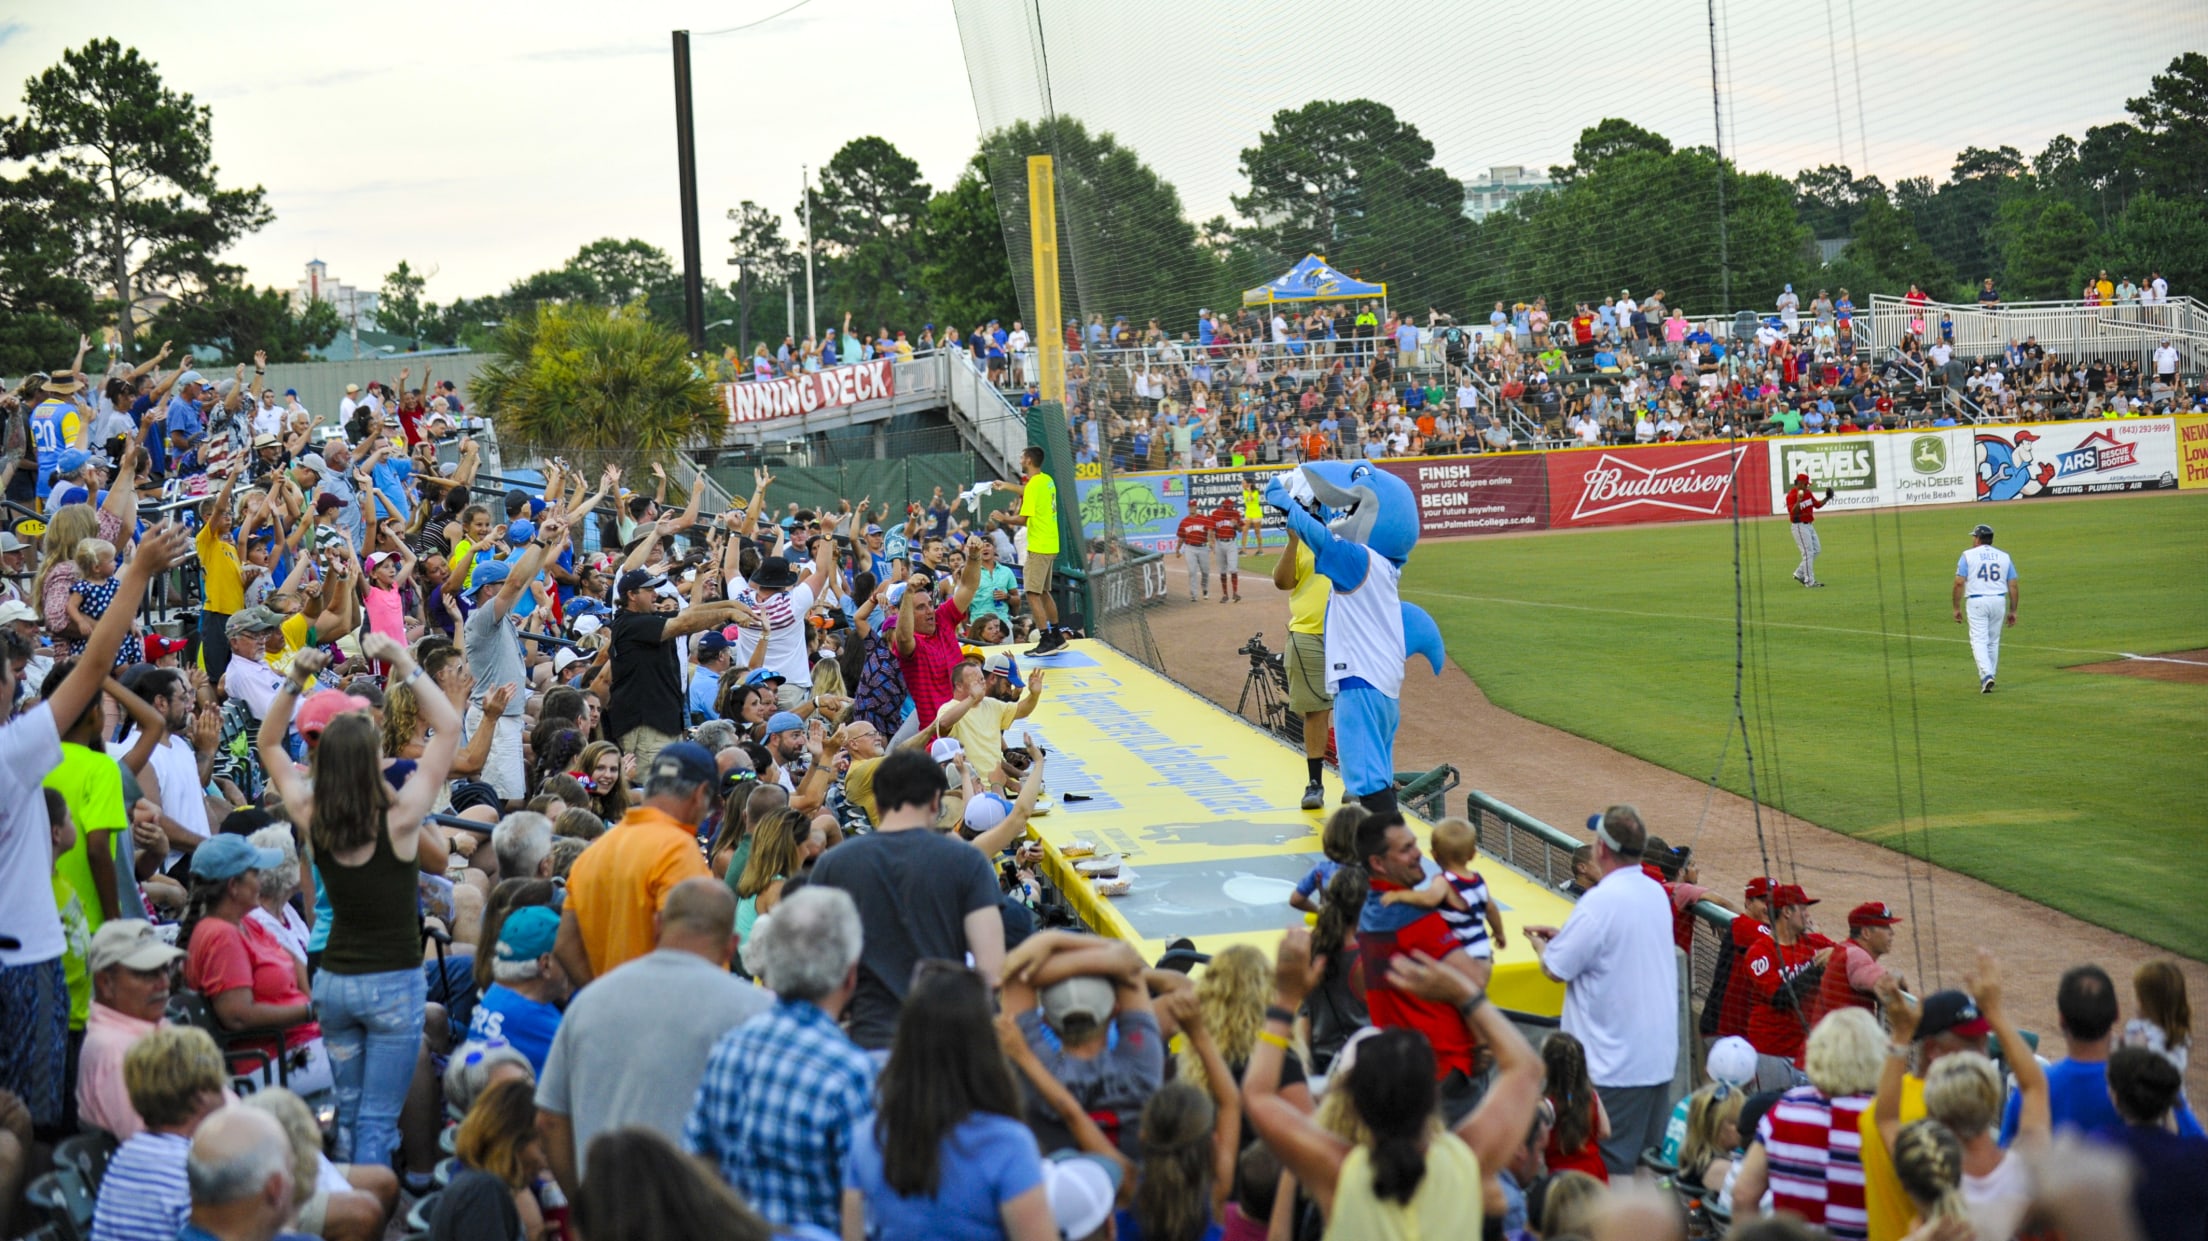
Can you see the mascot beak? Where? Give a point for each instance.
(1354, 507)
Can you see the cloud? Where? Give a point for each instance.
(617, 51)
(8, 30)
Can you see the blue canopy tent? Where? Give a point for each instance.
(1312, 280)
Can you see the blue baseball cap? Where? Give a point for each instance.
(527, 933)
(763, 676)
(688, 761)
(586, 605)
(521, 531)
(72, 460)
(291, 392)
(710, 643)
(488, 573)
(227, 857)
(785, 722)
(536, 506)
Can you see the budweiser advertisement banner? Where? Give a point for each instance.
(765, 400)
(1476, 495)
(1657, 482)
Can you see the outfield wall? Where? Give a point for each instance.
(1706, 479)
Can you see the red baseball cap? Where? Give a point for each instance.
(1872, 913)
(159, 648)
(1789, 894)
(1759, 888)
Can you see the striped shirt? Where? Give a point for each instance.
(145, 1196)
(1815, 1148)
(1470, 924)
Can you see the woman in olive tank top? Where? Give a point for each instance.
(369, 990)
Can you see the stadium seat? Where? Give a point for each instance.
(65, 1201)
(87, 1154)
(190, 1008)
(417, 1219)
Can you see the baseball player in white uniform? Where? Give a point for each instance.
(1985, 589)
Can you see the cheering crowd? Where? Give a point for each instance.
(541, 861)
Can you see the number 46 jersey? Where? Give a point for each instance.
(1985, 570)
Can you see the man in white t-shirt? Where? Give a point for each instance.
(175, 765)
(781, 599)
(2165, 364)
(1620, 971)
(1016, 345)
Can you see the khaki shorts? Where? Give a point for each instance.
(1035, 574)
(1306, 660)
(644, 744)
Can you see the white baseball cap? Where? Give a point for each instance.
(986, 811)
(1732, 1061)
(1081, 1190)
(945, 749)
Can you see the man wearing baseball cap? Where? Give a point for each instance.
(709, 659)
(495, 656)
(786, 745)
(616, 887)
(1946, 1022)
(645, 710)
(15, 568)
(527, 986)
(129, 964)
(1782, 980)
(1725, 1012)
(1851, 977)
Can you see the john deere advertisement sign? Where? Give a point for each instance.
(1927, 467)
(1848, 467)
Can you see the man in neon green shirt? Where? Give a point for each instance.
(1039, 516)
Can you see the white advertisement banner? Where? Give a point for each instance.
(1875, 471)
(1926, 467)
(2075, 458)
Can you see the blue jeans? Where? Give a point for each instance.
(373, 1026)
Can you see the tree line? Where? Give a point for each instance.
(112, 212)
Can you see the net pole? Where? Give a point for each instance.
(812, 321)
(1042, 232)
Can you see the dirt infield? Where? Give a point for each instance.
(2182, 667)
(1560, 779)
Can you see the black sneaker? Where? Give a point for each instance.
(1314, 796)
(1052, 643)
(1986, 686)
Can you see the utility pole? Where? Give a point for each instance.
(812, 324)
(686, 172)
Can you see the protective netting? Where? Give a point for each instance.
(1437, 231)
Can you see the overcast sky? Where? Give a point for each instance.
(486, 141)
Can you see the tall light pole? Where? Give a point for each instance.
(812, 325)
(686, 176)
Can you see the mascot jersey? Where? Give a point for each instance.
(1364, 630)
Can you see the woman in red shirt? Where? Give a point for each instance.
(251, 981)
(1581, 1122)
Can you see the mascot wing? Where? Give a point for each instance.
(1422, 637)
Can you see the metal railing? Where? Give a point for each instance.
(2072, 329)
(995, 427)
(1541, 852)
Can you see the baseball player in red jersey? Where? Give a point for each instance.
(1195, 535)
(1725, 1012)
(1226, 550)
(1783, 977)
(1801, 510)
(1852, 976)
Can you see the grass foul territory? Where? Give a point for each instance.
(2081, 791)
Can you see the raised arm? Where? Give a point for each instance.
(532, 559)
(1284, 569)
(969, 578)
(1313, 1154)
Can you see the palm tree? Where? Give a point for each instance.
(603, 383)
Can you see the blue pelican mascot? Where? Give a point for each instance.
(1361, 524)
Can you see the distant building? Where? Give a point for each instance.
(1487, 194)
(355, 307)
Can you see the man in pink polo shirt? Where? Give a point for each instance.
(129, 964)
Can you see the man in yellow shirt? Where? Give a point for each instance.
(1948, 1022)
(1039, 515)
(616, 888)
(224, 588)
(1297, 572)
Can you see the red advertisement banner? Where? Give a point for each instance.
(1475, 495)
(763, 400)
(1657, 482)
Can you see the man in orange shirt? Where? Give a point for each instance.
(615, 889)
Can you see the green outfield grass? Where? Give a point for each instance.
(2084, 792)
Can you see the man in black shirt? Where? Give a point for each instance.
(921, 893)
(644, 708)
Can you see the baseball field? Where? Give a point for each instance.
(2082, 790)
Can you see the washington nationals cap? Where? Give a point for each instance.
(1872, 913)
(1789, 894)
(1951, 1012)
